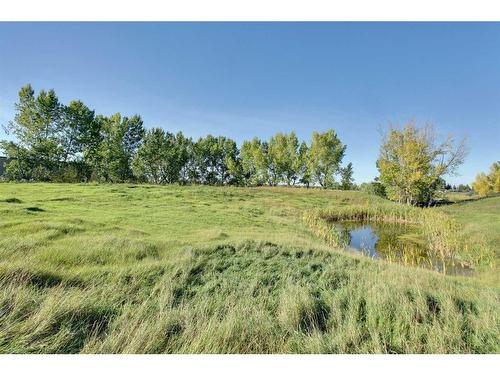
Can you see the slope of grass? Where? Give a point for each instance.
(480, 219)
(176, 216)
(124, 268)
(480, 223)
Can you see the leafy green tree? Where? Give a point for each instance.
(121, 138)
(347, 181)
(248, 161)
(20, 167)
(284, 156)
(325, 155)
(79, 137)
(215, 160)
(36, 126)
(79, 132)
(254, 163)
(411, 163)
(235, 170)
(151, 161)
(186, 157)
(301, 165)
(45, 141)
(272, 172)
(160, 158)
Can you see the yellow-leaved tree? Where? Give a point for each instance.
(486, 184)
(412, 163)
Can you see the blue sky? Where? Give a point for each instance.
(255, 79)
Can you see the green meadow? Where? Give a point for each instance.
(122, 268)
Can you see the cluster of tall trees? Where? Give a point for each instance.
(486, 184)
(59, 142)
(164, 157)
(283, 159)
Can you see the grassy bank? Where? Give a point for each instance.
(123, 268)
(480, 223)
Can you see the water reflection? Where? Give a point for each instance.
(394, 243)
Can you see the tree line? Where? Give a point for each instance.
(71, 143)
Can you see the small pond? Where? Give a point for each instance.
(394, 243)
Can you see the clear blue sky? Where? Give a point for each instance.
(255, 79)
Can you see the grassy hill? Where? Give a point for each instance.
(126, 268)
(480, 219)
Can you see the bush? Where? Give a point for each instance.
(374, 188)
(72, 172)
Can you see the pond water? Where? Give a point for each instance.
(395, 243)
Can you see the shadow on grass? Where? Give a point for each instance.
(12, 200)
(35, 209)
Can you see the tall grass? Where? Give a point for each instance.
(150, 269)
(248, 298)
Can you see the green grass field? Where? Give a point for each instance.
(197, 269)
